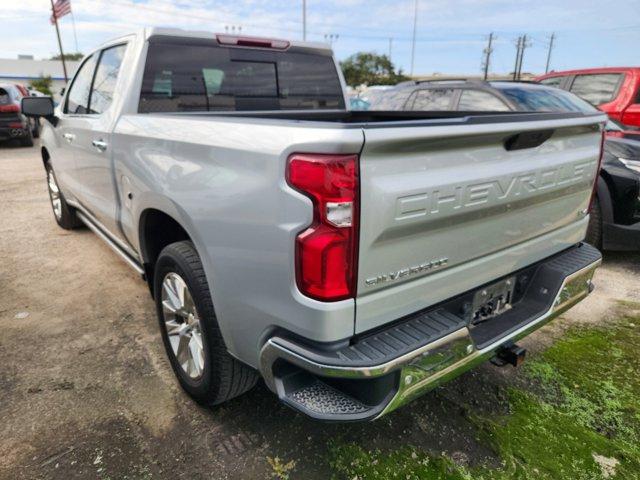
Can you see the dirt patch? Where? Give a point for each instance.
(86, 390)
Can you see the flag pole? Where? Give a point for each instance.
(64, 65)
(75, 34)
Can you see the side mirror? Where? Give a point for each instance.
(37, 106)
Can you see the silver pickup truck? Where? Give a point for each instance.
(353, 260)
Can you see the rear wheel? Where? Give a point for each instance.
(64, 214)
(190, 330)
(594, 231)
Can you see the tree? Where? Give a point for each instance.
(370, 69)
(42, 84)
(69, 56)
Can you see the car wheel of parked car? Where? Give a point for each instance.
(64, 214)
(594, 231)
(190, 330)
(27, 140)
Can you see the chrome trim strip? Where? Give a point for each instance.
(114, 246)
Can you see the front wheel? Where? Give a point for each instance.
(190, 331)
(64, 214)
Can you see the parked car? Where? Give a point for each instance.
(615, 91)
(614, 222)
(352, 259)
(615, 217)
(357, 103)
(13, 124)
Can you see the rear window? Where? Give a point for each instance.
(206, 77)
(5, 97)
(545, 100)
(552, 81)
(598, 88)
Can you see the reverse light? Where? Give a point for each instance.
(327, 250)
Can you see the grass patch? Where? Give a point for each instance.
(586, 414)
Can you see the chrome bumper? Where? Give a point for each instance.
(417, 371)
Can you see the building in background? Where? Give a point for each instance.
(23, 69)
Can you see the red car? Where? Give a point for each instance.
(615, 91)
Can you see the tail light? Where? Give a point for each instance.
(11, 108)
(327, 250)
(595, 182)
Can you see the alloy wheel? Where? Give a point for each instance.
(182, 324)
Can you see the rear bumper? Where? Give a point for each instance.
(378, 372)
(7, 133)
(621, 237)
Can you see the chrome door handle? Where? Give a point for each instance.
(69, 137)
(100, 145)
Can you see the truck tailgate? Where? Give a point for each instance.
(446, 208)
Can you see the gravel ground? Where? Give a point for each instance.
(86, 390)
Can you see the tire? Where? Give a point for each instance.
(594, 230)
(28, 140)
(212, 375)
(64, 214)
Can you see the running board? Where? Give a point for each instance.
(114, 246)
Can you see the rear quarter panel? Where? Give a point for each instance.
(222, 179)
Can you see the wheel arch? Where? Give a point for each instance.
(156, 230)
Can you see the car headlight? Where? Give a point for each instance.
(631, 164)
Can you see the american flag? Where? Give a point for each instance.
(60, 9)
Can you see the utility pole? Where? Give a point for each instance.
(522, 47)
(487, 56)
(553, 37)
(55, 20)
(413, 41)
(304, 20)
(390, 43)
(515, 68)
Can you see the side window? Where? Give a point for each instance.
(432, 99)
(552, 81)
(476, 100)
(598, 88)
(106, 77)
(78, 98)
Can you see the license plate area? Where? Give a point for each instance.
(492, 300)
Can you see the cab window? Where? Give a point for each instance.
(78, 97)
(104, 83)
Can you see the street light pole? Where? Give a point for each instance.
(413, 41)
(304, 20)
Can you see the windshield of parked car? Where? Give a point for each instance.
(527, 99)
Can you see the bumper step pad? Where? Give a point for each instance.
(322, 399)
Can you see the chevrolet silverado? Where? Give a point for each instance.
(352, 260)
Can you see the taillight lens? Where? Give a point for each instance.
(11, 108)
(595, 182)
(327, 251)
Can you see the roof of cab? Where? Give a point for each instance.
(181, 33)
